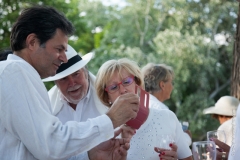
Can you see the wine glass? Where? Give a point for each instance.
(218, 134)
(204, 150)
(164, 140)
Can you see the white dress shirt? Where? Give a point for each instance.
(28, 130)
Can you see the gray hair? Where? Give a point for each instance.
(155, 73)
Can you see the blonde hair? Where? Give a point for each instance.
(155, 73)
(107, 70)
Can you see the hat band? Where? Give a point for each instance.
(70, 62)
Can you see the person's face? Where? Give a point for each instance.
(46, 59)
(115, 79)
(75, 86)
(168, 88)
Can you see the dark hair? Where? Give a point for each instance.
(41, 20)
(4, 54)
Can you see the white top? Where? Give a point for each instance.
(228, 128)
(28, 130)
(159, 122)
(235, 148)
(155, 103)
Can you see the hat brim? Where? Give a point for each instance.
(214, 110)
(75, 67)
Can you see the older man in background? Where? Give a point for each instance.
(74, 98)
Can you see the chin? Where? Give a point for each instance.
(75, 101)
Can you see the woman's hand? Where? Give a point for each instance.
(166, 154)
(224, 149)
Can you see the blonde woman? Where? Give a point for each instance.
(118, 77)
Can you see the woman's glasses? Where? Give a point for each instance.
(115, 87)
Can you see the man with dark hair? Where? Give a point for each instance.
(28, 130)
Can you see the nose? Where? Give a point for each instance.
(63, 57)
(122, 89)
(71, 81)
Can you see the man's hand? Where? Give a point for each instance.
(124, 108)
(113, 149)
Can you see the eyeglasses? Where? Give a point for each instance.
(115, 87)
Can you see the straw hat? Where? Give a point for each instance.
(75, 62)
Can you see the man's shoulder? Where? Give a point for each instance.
(10, 67)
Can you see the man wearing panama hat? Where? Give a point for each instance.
(73, 97)
(224, 110)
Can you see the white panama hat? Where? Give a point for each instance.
(226, 105)
(75, 62)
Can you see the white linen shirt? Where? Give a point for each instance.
(235, 148)
(159, 122)
(28, 130)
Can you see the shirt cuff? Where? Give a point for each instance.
(106, 127)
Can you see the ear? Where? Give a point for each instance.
(161, 85)
(32, 41)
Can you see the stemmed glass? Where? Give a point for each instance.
(204, 150)
(165, 140)
(218, 134)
